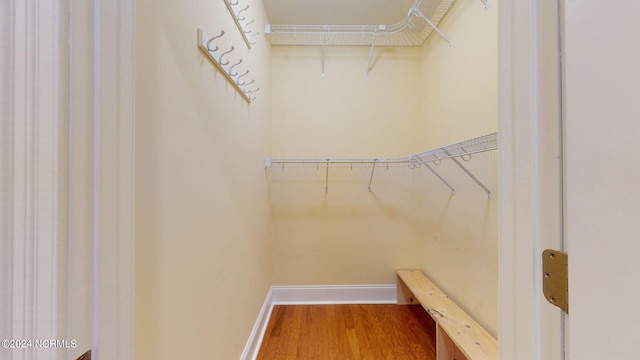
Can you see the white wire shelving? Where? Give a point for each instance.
(422, 18)
(454, 152)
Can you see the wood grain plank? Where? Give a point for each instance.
(472, 340)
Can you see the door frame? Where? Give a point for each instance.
(521, 307)
(101, 129)
(67, 94)
(530, 176)
(113, 146)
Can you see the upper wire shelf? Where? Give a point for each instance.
(413, 30)
(463, 150)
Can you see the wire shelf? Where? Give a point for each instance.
(463, 150)
(422, 18)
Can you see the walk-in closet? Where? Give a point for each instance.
(302, 152)
(306, 179)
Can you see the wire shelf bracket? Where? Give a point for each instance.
(426, 164)
(463, 150)
(470, 175)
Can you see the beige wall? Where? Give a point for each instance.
(460, 251)
(202, 216)
(206, 212)
(460, 82)
(344, 113)
(412, 100)
(348, 235)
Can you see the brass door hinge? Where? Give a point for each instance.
(555, 278)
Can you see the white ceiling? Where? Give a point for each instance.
(336, 12)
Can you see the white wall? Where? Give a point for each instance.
(602, 177)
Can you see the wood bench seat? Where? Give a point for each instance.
(458, 336)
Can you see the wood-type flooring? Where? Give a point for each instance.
(343, 332)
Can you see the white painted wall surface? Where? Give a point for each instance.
(602, 83)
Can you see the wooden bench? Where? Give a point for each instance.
(458, 336)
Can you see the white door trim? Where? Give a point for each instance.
(31, 146)
(530, 182)
(40, 41)
(113, 28)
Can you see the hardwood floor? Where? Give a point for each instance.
(342, 332)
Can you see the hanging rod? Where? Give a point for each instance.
(462, 150)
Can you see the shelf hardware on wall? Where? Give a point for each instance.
(428, 167)
(373, 45)
(326, 179)
(241, 21)
(470, 174)
(419, 14)
(218, 58)
(463, 150)
(324, 47)
(373, 168)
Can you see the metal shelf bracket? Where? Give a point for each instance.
(470, 174)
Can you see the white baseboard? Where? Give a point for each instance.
(255, 339)
(334, 294)
(308, 295)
